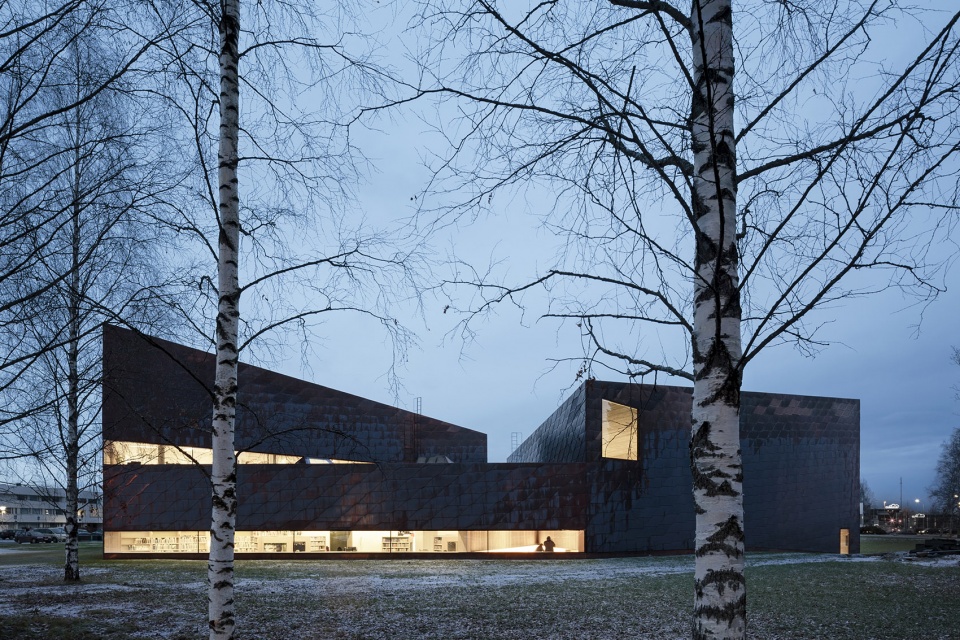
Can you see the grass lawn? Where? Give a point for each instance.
(791, 596)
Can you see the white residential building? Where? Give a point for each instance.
(25, 506)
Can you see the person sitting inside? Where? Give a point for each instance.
(548, 545)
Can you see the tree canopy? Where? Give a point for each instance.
(945, 490)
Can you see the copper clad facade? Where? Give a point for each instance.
(801, 461)
(355, 497)
(158, 392)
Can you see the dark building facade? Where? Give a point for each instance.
(323, 471)
(801, 460)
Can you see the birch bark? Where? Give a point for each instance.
(720, 591)
(224, 478)
(71, 567)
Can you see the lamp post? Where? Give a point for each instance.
(920, 514)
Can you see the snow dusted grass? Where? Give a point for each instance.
(791, 596)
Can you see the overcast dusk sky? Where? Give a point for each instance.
(504, 383)
(887, 351)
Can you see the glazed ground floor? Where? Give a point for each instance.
(120, 543)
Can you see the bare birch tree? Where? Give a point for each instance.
(719, 174)
(277, 193)
(104, 165)
(36, 39)
(224, 471)
(33, 38)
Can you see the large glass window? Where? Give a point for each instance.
(619, 431)
(129, 452)
(348, 541)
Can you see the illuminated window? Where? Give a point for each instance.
(251, 457)
(619, 431)
(130, 452)
(143, 453)
(348, 541)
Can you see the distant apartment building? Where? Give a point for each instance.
(23, 506)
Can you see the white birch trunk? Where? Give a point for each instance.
(71, 566)
(720, 600)
(224, 478)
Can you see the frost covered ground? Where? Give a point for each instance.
(791, 596)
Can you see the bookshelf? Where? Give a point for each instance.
(442, 544)
(395, 544)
